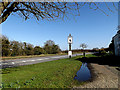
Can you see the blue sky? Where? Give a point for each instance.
(92, 27)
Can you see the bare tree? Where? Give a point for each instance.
(46, 10)
(83, 46)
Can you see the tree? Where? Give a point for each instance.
(48, 49)
(46, 10)
(15, 48)
(83, 46)
(29, 49)
(51, 48)
(25, 47)
(21, 46)
(55, 49)
(38, 50)
(48, 46)
(95, 49)
(111, 47)
(11, 48)
(49, 43)
(5, 46)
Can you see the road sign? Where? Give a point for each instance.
(70, 39)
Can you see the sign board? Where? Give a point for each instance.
(70, 40)
(69, 53)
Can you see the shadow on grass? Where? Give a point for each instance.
(102, 60)
(8, 70)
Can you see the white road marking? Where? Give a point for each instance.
(45, 58)
(13, 62)
(55, 57)
(32, 60)
(39, 59)
(23, 61)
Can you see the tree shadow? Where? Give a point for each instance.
(6, 69)
(102, 60)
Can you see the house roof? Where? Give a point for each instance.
(118, 32)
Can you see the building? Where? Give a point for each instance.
(116, 39)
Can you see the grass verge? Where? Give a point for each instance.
(52, 74)
(30, 56)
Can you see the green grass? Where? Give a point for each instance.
(90, 55)
(52, 74)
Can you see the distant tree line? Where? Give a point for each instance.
(15, 48)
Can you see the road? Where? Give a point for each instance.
(27, 61)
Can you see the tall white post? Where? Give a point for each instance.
(70, 41)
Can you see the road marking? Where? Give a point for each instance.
(32, 60)
(13, 62)
(23, 61)
(39, 59)
(45, 58)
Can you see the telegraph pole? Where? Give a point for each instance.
(70, 39)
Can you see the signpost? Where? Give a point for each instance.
(70, 41)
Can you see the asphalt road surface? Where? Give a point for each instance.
(27, 61)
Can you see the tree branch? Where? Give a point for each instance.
(8, 12)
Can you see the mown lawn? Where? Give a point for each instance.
(52, 74)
